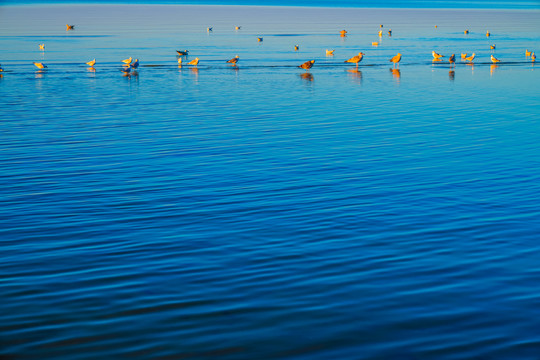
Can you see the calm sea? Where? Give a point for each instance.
(482, 4)
(263, 211)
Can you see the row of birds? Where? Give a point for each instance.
(130, 64)
(470, 58)
(134, 64)
(342, 32)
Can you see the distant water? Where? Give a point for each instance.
(451, 4)
(262, 211)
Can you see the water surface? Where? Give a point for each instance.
(262, 211)
(439, 4)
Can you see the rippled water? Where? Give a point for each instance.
(264, 211)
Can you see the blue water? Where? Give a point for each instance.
(452, 4)
(262, 211)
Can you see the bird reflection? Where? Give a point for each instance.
(492, 68)
(128, 75)
(307, 76)
(396, 73)
(356, 75)
(91, 69)
(452, 75)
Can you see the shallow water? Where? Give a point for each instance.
(264, 211)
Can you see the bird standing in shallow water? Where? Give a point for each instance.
(436, 56)
(396, 59)
(234, 60)
(40, 65)
(452, 59)
(307, 65)
(527, 53)
(91, 63)
(135, 64)
(356, 59)
(494, 59)
(183, 53)
(533, 57)
(470, 58)
(259, 39)
(488, 34)
(492, 47)
(330, 52)
(194, 62)
(463, 56)
(296, 47)
(466, 32)
(127, 61)
(41, 46)
(343, 33)
(69, 27)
